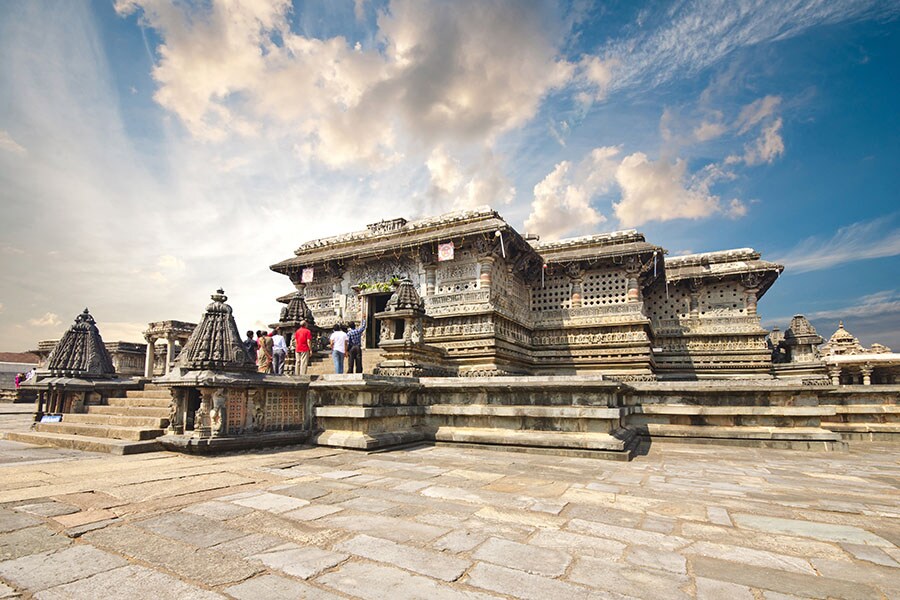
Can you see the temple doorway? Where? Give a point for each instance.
(376, 303)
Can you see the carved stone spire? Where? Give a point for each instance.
(216, 344)
(81, 352)
(297, 310)
(406, 298)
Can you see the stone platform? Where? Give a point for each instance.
(450, 522)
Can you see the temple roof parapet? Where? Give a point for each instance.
(742, 262)
(592, 247)
(165, 329)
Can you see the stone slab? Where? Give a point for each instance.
(273, 587)
(424, 562)
(85, 517)
(378, 582)
(526, 586)
(190, 529)
(829, 532)
(48, 569)
(523, 557)
(397, 530)
(639, 582)
(48, 509)
(276, 503)
(311, 513)
(31, 540)
(120, 584)
(11, 521)
(299, 562)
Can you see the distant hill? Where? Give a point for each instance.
(19, 357)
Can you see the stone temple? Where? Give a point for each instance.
(480, 335)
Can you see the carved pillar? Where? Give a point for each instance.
(170, 352)
(430, 279)
(751, 282)
(485, 267)
(218, 415)
(177, 411)
(835, 372)
(576, 278)
(632, 271)
(39, 406)
(151, 355)
(202, 424)
(694, 287)
(866, 371)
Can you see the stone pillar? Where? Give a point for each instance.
(485, 266)
(835, 372)
(151, 350)
(39, 406)
(202, 423)
(176, 411)
(866, 370)
(170, 353)
(576, 292)
(430, 277)
(751, 302)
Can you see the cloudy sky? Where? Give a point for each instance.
(152, 152)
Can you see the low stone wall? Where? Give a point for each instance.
(864, 412)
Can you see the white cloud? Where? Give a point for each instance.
(595, 75)
(8, 144)
(767, 147)
(757, 111)
(562, 200)
(707, 130)
(48, 320)
(694, 35)
(660, 191)
(481, 183)
(444, 72)
(865, 240)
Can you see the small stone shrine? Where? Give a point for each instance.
(79, 371)
(219, 401)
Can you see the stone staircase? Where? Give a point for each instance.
(128, 425)
(321, 362)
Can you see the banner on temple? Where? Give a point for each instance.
(306, 276)
(445, 251)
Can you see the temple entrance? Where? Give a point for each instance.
(376, 303)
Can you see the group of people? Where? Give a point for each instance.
(21, 377)
(269, 350)
(346, 342)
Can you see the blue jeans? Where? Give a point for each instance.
(338, 358)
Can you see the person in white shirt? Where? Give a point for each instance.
(279, 352)
(338, 343)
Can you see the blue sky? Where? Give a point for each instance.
(151, 152)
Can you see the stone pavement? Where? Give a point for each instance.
(441, 522)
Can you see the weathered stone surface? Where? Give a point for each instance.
(190, 529)
(397, 530)
(424, 562)
(628, 535)
(871, 554)
(249, 544)
(121, 584)
(219, 511)
(32, 540)
(299, 562)
(49, 569)
(273, 587)
(637, 582)
(311, 513)
(820, 531)
(48, 509)
(518, 584)
(8, 592)
(652, 558)
(805, 586)
(718, 515)
(11, 521)
(276, 503)
(577, 544)
(710, 589)
(376, 582)
(749, 556)
(459, 541)
(199, 564)
(85, 517)
(523, 557)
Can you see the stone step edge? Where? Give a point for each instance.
(83, 443)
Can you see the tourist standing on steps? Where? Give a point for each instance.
(250, 346)
(301, 346)
(338, 343)
(19, 378)
(263, 353)
(279, 352)
(354, 351)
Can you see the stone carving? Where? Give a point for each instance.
(218, 414)
(216, 343)
(81, 352)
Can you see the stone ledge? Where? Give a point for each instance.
(368, 412)
(552, 412)
(545, 439)
(567, 382)
(358, 440)
(83, 442)
(863, 427)
(688, 409)
(892, 409)
(738, 432)
(192, 445)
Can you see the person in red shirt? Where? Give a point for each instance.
(301, 346)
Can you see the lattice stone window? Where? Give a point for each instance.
(676, 306)
(604, 288)
(555, 295)
(722, 297)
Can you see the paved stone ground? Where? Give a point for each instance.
(447, 522)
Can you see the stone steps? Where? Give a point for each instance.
(83, 442)
(738, 433)
(140, 402)
(136, 411)
(99, 431)
(152, 393)
(119, 420)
